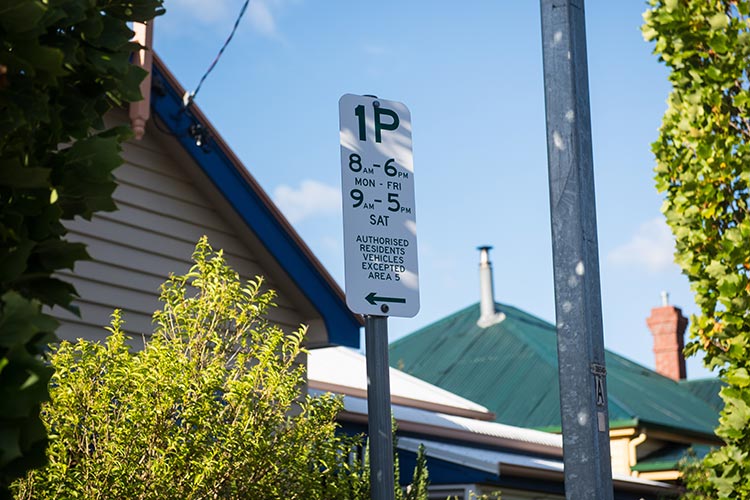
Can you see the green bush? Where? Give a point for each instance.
(210, 408)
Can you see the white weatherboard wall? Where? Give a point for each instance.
(164, 206)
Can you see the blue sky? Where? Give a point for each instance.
(471, 74)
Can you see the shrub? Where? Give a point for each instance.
(210, 408)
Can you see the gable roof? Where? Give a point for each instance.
(253, 205)
(511, 368)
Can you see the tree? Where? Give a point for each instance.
(703, 167)
(63, 65)
(210, 408)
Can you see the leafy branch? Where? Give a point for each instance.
(702, 157)
(63, 65)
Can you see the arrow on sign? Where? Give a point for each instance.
(372, 298)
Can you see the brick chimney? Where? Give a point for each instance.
(667, 324)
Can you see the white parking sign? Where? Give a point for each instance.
(380, 231)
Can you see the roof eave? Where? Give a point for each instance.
(256, 209)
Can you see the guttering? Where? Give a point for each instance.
(632, 452)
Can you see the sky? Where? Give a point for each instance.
(471, 75)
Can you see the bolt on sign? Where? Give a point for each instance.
(380, 230)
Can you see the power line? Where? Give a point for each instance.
(190, 96)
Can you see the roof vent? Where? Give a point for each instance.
(488, 313)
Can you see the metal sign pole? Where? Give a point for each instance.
(580, 344)
(380, 249)
(379, 408)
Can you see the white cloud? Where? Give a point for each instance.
(199, 10)
(331, 244)
(261, 15)
(374, 50)
(311, 199)
(651, 247)
(261, 18)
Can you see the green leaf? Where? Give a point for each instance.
(60, 254)
(18, 16)
(16, 176)
(51, 292)
(46, 59)
(21, 320)
(649, 33)
(719, 43)
(738, 377)
(13, 260)
(131, 82)
(26, 379)
(115, 34)
(718, 21)
(729, 285)
(10, 446)
(716, 269)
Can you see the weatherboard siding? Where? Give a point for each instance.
(161, 215)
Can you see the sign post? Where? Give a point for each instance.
(380, 250)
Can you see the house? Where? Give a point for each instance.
(180, 181)
(467, 451)
(506, 360)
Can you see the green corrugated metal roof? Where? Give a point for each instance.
(707, 389)
(511, 368)
(669, 457)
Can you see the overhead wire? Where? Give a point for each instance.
(190, 96)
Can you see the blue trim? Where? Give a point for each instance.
(441, 472)
(342, 325)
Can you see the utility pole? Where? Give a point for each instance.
(580, 343)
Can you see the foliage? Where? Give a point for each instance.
(210, 408)
(702, 156)
(495, 495)
(417, 490)
(695, 477)
(63, 64)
